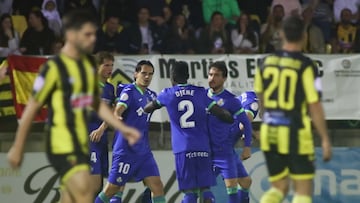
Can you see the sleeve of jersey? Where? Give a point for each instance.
(108, 94)
(119, 89)
(241, 116)
(311, 86)
(258, 84)
(45, 82)
(125, 98)
(209, 101)
(161, 99)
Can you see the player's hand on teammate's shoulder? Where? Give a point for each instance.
(327, 151)
(15, 157)
(132, 135)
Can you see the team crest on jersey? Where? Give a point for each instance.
(254, 106)
(124, 97)
(220, 102)
(140, 111)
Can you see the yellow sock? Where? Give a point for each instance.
(273, 195)
(301, 199)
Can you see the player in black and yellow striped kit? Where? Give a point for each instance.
(68, 85)
(287, 85)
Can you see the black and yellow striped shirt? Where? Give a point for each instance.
(69, 88)
(288, 83)
(6, 98)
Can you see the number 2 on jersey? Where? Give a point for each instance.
(284, 82)
(184, 119)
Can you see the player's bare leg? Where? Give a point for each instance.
(243, 191)
(232, 189)
(79, 187)
(97, 182)
(303, 191)
(65, 196)
(156, 187)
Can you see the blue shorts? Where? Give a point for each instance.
(99, 154)
(226, 165)
(132, 167)
(241, 171)
(194, 170)
(99, 159)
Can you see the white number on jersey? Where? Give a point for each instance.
(189, 107)
(93, 157)
(124, 168)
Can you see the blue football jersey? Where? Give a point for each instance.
(220, 132)
(134, 100)
(107, 95)
(250, 103)
(187, 107)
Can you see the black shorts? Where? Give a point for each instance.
(298, 167)
(68, 164)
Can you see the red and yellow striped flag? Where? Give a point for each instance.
(23, 71)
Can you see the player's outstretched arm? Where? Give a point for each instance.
(317, 115)
(105, 113)
(15, 154)
(152, 106)
(222, 114)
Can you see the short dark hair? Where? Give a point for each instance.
(221, 66)
(75, 19)
(293, 28)
(180, 72)
(215, 13)
(102, 56)
(142, 63)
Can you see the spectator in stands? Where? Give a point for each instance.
(270, 32)
(9, 38)
(345, 33)
(323, 18)
(191, 9)
(214, 39)
(156, 9)
(168, 16)
(50, 12)
(340, 5)
(56, 46)
(244, 38)
(38, 38)
(125, 10)
(291, 7)
(108, 37)
(314, 41)
(256, 7)
(143, 37)
(229, 9)
(180, 38)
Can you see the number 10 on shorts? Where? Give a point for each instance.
(124, 168)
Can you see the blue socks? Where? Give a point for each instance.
(116, 198)
(243, 195)
(233, 194)
(190, 198)
(208, 195)
(101, 198)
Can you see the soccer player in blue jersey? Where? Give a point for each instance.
(221, 136)
(187, 106)
(99, 159)
(134, 162)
